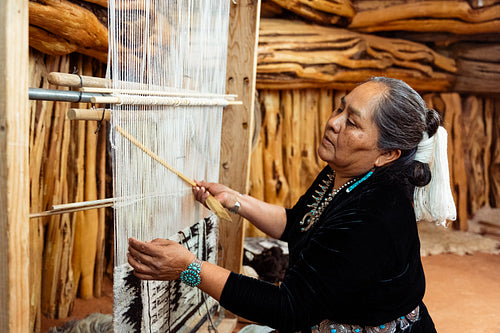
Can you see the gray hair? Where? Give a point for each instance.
(402, 117)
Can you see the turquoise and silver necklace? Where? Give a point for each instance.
(323, 198)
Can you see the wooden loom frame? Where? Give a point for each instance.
(14, 156)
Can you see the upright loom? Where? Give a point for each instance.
(166, 76)
(167, 65)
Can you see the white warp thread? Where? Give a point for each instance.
(164, 46)
(434, 202)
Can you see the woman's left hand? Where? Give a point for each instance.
(160, 259)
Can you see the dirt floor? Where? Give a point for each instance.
(463, 294)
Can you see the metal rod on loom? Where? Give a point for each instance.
(61, 95)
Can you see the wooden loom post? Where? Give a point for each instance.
(14, 176)
(237, 122)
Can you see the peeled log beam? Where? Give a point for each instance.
(447, 16)
(103, 3)
(61, 24)
(299, 55)
(51, 44)
(48, 43)
(329, 12)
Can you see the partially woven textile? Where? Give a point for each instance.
(165, 306)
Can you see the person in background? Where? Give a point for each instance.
(354, 250)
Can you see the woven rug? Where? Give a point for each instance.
(438, 240)
(165, 306)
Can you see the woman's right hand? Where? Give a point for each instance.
(226, 196)
(269, 218)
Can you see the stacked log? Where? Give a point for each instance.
(457, 17)
(299, 55)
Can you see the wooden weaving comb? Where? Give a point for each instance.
(213, 204)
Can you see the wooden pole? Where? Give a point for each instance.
(75, 80)
(100, 266)
(89, 114)
(14, 176)
(151, 101)
(237, 121)
(36, 228)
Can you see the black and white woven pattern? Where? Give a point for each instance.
(166, 306)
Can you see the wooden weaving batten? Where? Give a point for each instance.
(75, 207)
(229, 97)
(212, 203)
(112, 99)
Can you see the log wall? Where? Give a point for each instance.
(284, 160)
(67, 164)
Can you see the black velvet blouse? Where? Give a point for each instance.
(358, 264)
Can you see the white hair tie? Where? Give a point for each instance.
(425, 149)
(434, 201)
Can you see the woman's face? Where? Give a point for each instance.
(349, 143)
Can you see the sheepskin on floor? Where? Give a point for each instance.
(436, 239)
(94, 323)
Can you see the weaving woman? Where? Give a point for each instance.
(353, 241)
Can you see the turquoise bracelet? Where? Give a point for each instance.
(191, 276)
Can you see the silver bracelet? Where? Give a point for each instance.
(236, 206)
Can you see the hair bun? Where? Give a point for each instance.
(419, 174)
(433, 121)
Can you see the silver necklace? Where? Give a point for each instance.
(321, 201)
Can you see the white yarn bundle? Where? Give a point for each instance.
(434, 201)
